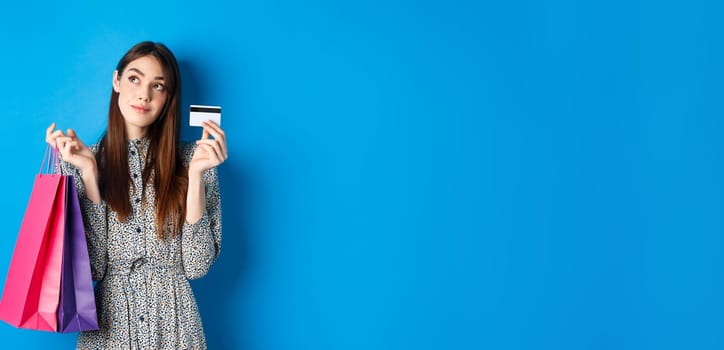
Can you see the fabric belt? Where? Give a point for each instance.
(127, 267)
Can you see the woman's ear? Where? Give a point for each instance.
(116, 82)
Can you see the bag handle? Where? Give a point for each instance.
(51, 161)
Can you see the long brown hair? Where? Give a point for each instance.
(163, 166)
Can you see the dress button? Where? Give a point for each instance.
(138, 200)
(133, 153)
(135, 175)
(138, 230)
(141, 318)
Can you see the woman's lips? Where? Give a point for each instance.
(140, 109)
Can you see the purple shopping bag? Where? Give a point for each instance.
(77, 308)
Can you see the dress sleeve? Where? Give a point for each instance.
(94, 221)
(201, 241)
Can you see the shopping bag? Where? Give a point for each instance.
(32, 288)
(77, 309)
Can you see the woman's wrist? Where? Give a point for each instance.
(89, 173)
(196, 182)
(195, 174)
(195, 204)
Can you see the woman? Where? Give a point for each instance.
(151, 207)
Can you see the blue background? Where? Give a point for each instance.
(420, 174)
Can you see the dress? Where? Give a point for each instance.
(143, 297)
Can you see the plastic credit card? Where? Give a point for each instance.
(200, 113)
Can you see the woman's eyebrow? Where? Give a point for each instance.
(143, 75)
(137, 71)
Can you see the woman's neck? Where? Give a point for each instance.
(136, 133)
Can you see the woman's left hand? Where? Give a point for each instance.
(209, 152)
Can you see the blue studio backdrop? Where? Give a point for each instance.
(419, 174)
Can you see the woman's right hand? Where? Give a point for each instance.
(71, 148)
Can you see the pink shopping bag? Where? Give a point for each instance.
(32, 288)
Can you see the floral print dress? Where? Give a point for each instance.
(143, 296)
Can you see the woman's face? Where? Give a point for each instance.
(142, 93)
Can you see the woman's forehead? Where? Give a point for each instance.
(146, 66)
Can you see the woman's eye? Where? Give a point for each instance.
(159, 87)
(133, 79)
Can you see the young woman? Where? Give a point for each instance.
(151, 207)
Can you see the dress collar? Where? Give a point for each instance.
(145, 140)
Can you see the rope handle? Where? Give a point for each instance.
(51, 161)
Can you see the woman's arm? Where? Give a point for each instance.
(79, 161)
(201, 234)
(94, 221)
(90, 182)
(209, 154)
(195, 198)
(201, 239)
